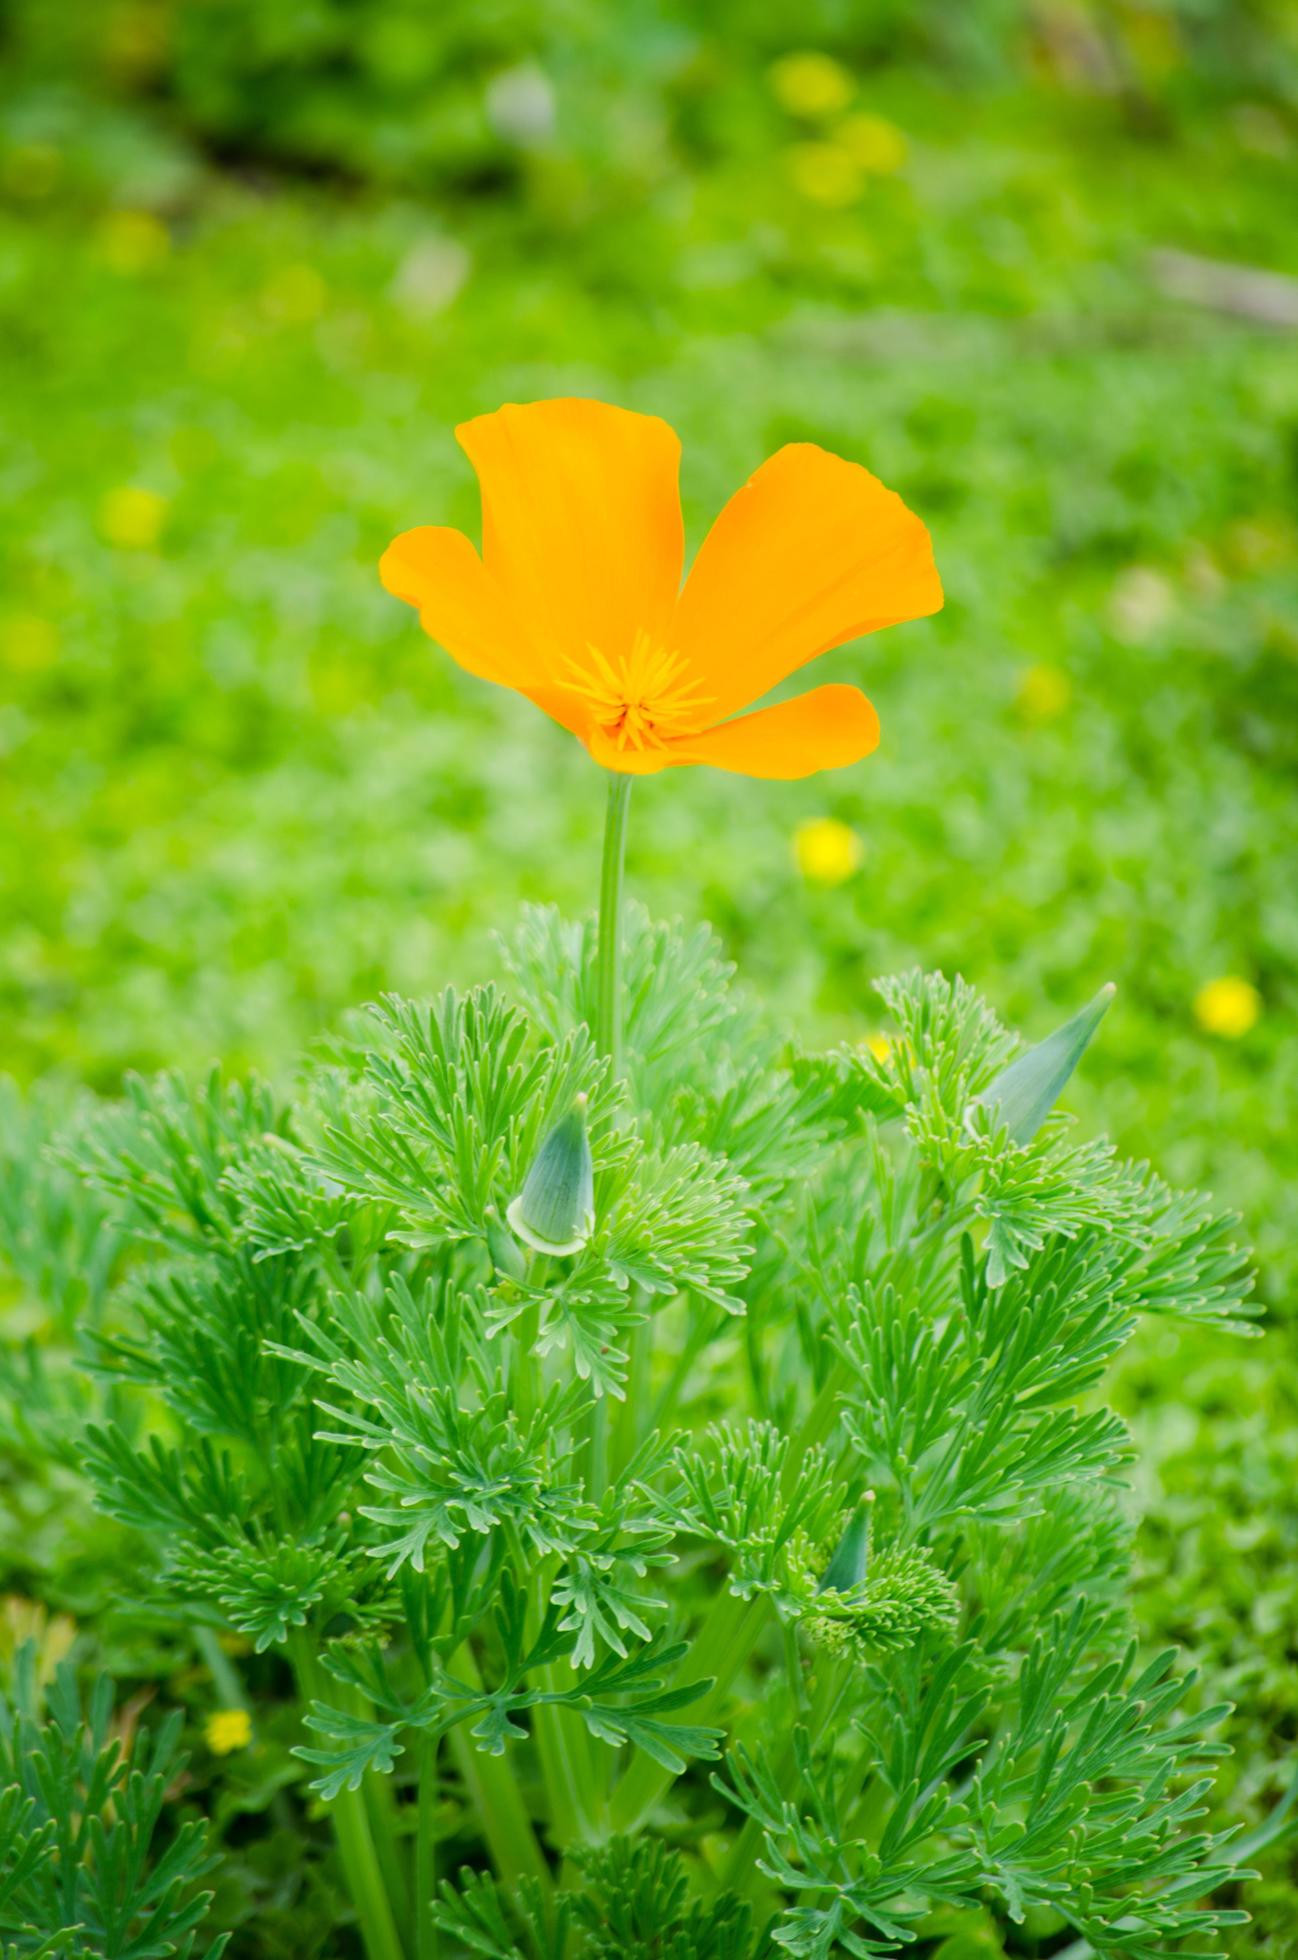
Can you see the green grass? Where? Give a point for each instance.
(240, 793)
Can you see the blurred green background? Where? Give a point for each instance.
(1036, 265)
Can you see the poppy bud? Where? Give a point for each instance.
(555, 1210)
(1023, 1095)
(847, 1569)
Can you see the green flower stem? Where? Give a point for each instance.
(608, 1033)
(608, 999)
(819, 1424)
(633, 1412)
(566, 1763)
(565, 1757)
(728, 1636)
(426, 1854)
(225, 1678)
(739, 1873)
(527, 1388)
(703, 1326)
(380, 1803)
(595, 1468)
(349, 1816)
(489, 1780)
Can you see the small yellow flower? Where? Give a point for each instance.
(825, 173)
(811, 84)
(879, 1046)
(1229, 1007)
(1043, 692)
(227, 1730)
(877, 145)
(132, 518)
(28, 643)
(132, 241)
(295, 295)
(827, 851)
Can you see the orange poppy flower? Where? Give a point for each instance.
(576, 600)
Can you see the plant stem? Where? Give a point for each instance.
(820, 1421)
(739, 1872)
(567, 1766)
(225, 1678)
(702, 1329)
(608, 1034)
(596, 1463)
(380, 1804)
(490, 1783)
(633, 1412)
(608, 999)
(526, 1386)
(351, 1826)
(426, 1855)
(727, 1637)
(725, 1641)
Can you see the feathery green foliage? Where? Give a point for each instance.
(794, 1468)
(89, 1867)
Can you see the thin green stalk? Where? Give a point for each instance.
(515, 1852)
(702, 1329)
(226, 1678)
(566, 1765)
(563, 1747)
(608, 1000)
(728, 1635)
(739, 1872)
(608, 1032)
(526, 1388)
(350, 1819)
(819, 1424)
(426, 1854)
(727, 1638)
(564, 1756)
(596, 1464)
(380, 1803)
(633, 1411)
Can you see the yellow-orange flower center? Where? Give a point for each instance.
(640, 698)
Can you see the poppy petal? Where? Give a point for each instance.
(439, 572)
(581, 523)
(811, 552)
(828, 728)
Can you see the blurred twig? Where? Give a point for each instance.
(1270, 298)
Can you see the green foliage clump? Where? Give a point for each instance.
(754, 1577)
(81, 1875)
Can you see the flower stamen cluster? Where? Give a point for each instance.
(642, 698)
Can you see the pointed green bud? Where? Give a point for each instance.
(847, 1569)
(505, 1252)
(1023, 1095)
(555, 1210)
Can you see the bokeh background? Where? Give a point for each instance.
(1036, 264)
